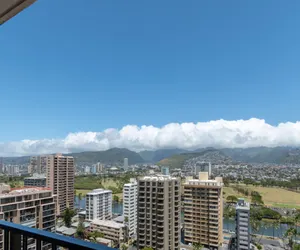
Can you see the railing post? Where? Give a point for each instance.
(25, 242)
(15, 241)
(38, 244)
(6, 239)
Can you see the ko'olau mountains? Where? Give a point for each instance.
(175, 158)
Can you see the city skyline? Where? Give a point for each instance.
(114, 64)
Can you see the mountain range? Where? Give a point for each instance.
(176, 157)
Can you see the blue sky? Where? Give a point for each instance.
(70, 66)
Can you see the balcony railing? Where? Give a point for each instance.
(14, 241)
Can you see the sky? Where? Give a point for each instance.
(75, 76)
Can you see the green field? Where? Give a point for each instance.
(84, 184)
(276, 197)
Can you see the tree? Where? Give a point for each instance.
(116, 198)
(80, 231)
(67, 216)
(92, 236)
(232, 199)
(290, 234)
(197, 246)
(256, 198)
(124, 247)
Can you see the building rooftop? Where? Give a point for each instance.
(107, 223)
(119, 219)
(242, 204)
(25, 190)
(158, 178)
(204, 182)
(99, 191)
(35, 177)
(85, 224)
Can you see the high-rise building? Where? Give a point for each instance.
(125, 163)
(241, 240)
(99, 204)
(202, 167)
(60, 179)
(203, 211)
(1, 165)
(158, 212)
(38, 164)
(130, 205)
(31, 207)
(165, 170)
(87, 169)
(100, 167)
(93, 170)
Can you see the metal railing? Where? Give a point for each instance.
(16, 238)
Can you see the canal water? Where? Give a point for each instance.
(228, 225)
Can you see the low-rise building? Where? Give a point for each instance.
(110, 229)
(35, 181)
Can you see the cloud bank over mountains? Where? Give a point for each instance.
(219, 134)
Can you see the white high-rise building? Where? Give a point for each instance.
(99, 204)
(130, 205)
(242, 225)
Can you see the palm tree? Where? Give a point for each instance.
(290, 234)
(80, 231)
(67, 216)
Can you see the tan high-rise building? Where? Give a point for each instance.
(60, 174)
(31, 207)
(203, 211)
(158, 212)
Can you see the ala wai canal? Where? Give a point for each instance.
(228, 225)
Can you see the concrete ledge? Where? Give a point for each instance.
(10, 8)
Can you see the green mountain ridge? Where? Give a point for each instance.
(110, 156)
(176, 157)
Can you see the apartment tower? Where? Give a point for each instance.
(31, 207)
(159, 212)
(130, 205)
(60, 179)
(242, 225)
(38, 164)
(203, 211)
(99, 204)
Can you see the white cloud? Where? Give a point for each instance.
(221, 133)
